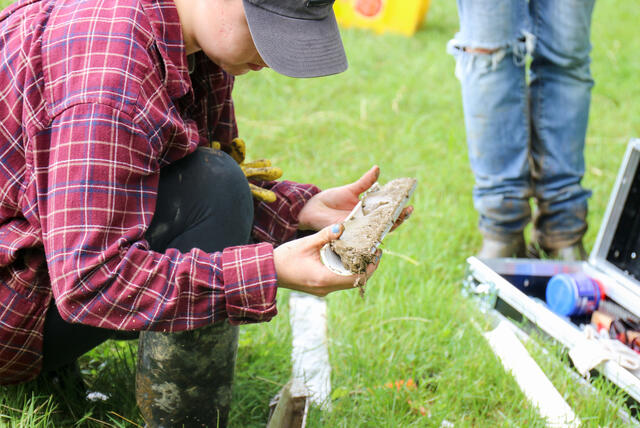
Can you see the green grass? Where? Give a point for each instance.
(397, 106)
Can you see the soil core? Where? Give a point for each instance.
(364, 231)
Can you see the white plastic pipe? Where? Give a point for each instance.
(530, 377)
(310, 354)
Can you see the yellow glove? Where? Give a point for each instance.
(257, 170)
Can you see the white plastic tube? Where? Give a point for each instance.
(530, 377)
(310, 354)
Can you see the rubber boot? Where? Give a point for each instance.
(184, 379)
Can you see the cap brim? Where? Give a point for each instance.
(297, 47)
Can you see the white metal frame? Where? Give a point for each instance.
(555, 326)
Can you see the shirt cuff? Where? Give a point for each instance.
(277, 222)
(249, 283)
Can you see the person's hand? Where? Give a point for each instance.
(333, 205)
(405, 214)
(299, 267)
(258, 170)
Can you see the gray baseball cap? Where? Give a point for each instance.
(297, 38)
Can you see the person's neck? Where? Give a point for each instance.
(185, 13)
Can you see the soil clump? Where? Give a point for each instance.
(365, 230)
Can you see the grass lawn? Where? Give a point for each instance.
(397, 106)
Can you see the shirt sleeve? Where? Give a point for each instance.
(277, 222)
(97, 190)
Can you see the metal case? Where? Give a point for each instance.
(518, 285)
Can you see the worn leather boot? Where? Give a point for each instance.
(184, 379)
(509, 247)
(572, 253)
(568, 253)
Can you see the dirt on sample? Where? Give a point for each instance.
(364, 232)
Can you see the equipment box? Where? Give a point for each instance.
(526, 288)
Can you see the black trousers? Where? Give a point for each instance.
(203, 202)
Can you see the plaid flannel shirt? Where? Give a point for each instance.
(95, 97)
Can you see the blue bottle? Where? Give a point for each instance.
(573, 294)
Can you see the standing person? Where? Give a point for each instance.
(116, 215)
(526, 134)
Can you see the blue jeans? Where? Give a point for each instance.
(526, 133)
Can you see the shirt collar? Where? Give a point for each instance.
(165, 24)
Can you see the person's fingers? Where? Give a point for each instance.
(404, 215)
(258, 163)
(328, 234)
(261, 194)
(267, 173)
(371, 268)
(366, 181)
(238, 150)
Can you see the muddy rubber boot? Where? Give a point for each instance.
(184, 379)
(509, 247)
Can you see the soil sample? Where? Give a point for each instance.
(366, 228)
